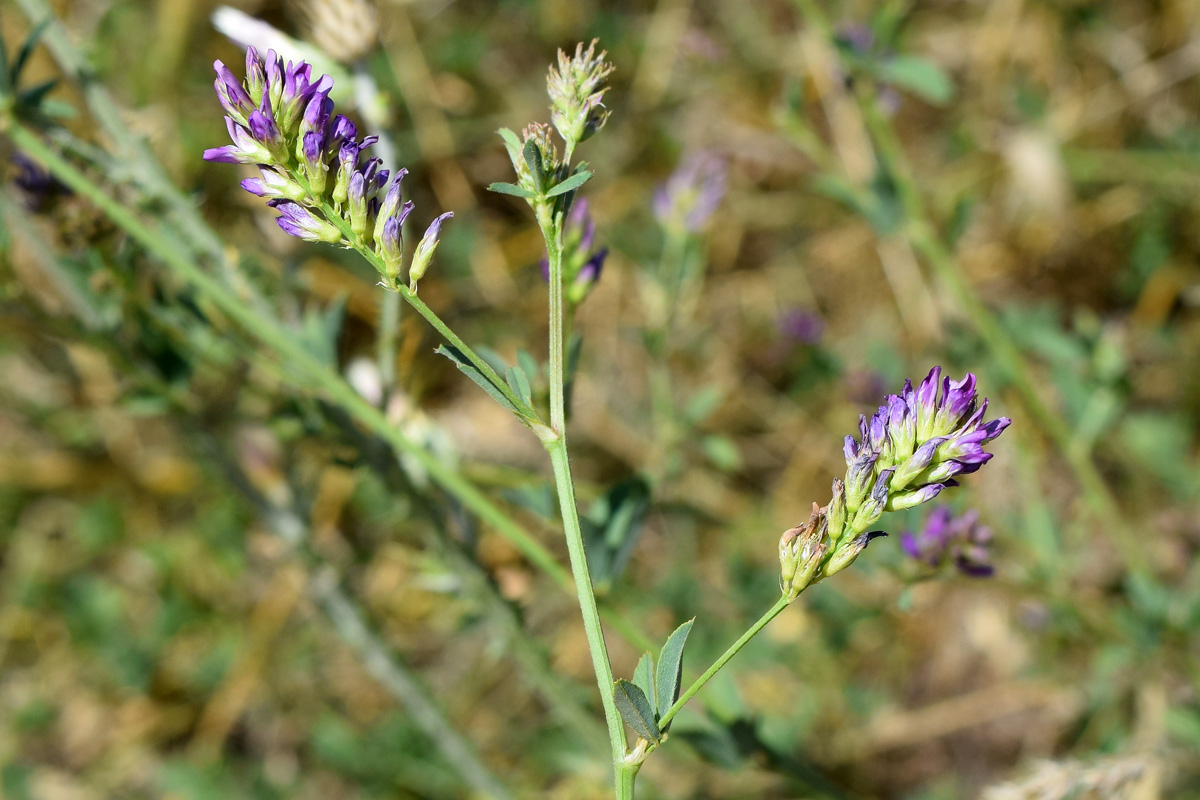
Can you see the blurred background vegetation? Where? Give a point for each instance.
(218, 580)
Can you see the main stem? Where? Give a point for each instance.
(556, 446)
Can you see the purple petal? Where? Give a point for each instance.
(263, 128)
(224, 155)
(590, 271)
(291, 228)
(958, 400)
(996, 427)
(405, 210)
(973, 569)
(358, 185)
(234, 93)
(255, 186)
(928, 390)
(343, 129)
(435, 228)
(879, 493)
(802, 326)
(879, 428)
(390, 240)
(579, 213)
(316, 113)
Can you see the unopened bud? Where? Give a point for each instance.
(425, 249)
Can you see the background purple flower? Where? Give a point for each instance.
(802, 326)
(962, 539)
(692, 193)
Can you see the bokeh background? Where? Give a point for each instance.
(216, 582)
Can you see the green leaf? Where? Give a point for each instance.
(573, 182)
(510, 188)
(321, 330)
(511, 140)
(529, 364)
(519, 383)
(635, 708)
(533, 159)
(541, 499)
(643, 676)
(59, 109)
(611, 529)
(921, 77)
(701, 404)
(723, 452)
(470, 370)
(491, 358)
(670, 667)
(27, 48)
(34, 96)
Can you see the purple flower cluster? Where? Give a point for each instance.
(691, 195)
(917, 442)
(963, 538)
(311, 163)
(911, 449)
(581, 264)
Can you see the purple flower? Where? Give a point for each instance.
(907, 453)
(691, 195)
(36, 185)
(299, 222)
(309, 159)
(581, 264)
(929, 434)
(425, 249)
(963, 539)
(802, 326)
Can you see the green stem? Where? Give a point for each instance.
(331, 214)
(698, 684)
(552, 233)
(450, 336)
(626, 777)
(556, 446)
(389, 326)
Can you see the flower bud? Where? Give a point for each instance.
(836, 511)
(391, 249)
(872, 507)
(391, 204)
(858, 479)
(576, 88)
(801, 551)
(312, 159)
(425, 249)
(357, 202)
(915, 464)
(299, 222)
(849, 551)
(899, 502)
